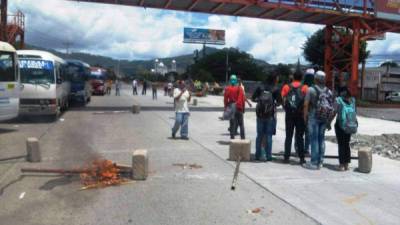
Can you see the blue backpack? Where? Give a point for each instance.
(347, 116)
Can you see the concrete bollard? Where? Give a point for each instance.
(364, 160)
(136, 109)
(33, 150)
(239, 147)
(140, 164)
(195, 102)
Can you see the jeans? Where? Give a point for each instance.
(134, 91)
(154, 94)
(316, 130)
(265, 129)
(182, 121)
(294, 122)
(306, 141)
(343, 141)
(117, 92)
(235, 122)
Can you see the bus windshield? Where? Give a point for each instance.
(7, 67)
(36, 71)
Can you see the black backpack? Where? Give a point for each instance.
(294, 100)
(265, 105)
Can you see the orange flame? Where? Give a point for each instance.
(101, 173)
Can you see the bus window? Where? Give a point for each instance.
(7, 67)
(36, 71)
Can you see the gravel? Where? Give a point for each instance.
(386, 145)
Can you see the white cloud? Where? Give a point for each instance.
(137, 33)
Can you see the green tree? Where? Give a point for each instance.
(214, 64)
(314, 50)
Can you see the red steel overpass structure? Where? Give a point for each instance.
(12, 27)
(360, 19)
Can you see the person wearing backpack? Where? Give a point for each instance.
(318, 113)
(234, 101)
(267, 98)
(346, 125)
(293, 98)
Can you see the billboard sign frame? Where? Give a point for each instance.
(203, 36)
(388, 9)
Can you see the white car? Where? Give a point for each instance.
(393, 97)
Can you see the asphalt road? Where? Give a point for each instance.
(171, 195)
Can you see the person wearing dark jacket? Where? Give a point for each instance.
(266, 124)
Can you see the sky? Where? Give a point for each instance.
(130, 33)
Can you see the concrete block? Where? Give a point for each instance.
(240, 147)
(33, 150)
(140, 164)
(136, 109)
(195, 102)
(364, 160)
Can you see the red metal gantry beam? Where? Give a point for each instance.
(358, 21)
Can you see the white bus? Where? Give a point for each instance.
(45, 86)
(9, 82)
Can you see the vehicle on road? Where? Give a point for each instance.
(98, 80)
(393, 97)
(9, 82)
(78, 73)
(45, 85)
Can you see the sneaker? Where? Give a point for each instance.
(310, 166)
(269, 159)
(173, 136)
(341, 168)
(302, 161)
(185, 138)
(286, 161)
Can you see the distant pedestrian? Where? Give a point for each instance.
(318, 112)
(293, 95)
(117, 87)
(134, 87)
(267, 98)
(144, 90)
(170, 88)
(165, 89)
(154, 90)
(108, 86)
(346, 125)
(181, 98)
(234, 100)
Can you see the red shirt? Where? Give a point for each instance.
(296, 84)
(234, 94)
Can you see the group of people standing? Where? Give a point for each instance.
(310, 107)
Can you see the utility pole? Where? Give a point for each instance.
(67, 45)
(3, 20)
(227, 66)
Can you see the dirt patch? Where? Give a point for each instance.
(386, 145)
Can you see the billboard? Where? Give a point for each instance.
(203, 36)
(388, 9)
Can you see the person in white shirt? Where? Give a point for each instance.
(181, 97)
(134, 86)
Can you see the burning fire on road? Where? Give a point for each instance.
(98, 174)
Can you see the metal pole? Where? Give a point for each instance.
(3, 20)
(328, 56)
(227, 66)
(355, 58)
